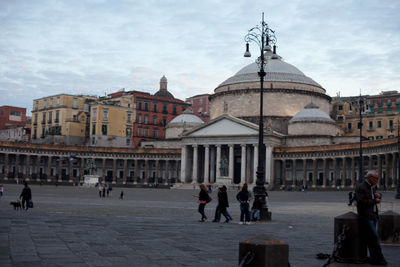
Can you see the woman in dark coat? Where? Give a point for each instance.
(204, 198)
(222, 205)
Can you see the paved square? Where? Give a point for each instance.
(72, 226)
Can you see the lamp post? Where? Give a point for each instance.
(360, 163)
(262, 35)
(398, 159)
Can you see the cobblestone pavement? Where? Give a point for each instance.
(72, 226)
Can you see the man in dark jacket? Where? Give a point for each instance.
(367, 200)
(26, 196)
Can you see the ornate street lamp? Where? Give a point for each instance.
(263, 36)
(360, 163)
(398, 160)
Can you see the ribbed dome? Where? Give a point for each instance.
(311, 113)
(164, 93)
(277, 71)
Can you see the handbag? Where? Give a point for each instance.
(30, 204)
(208, 199)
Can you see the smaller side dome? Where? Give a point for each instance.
(311, 113)
(181, 123)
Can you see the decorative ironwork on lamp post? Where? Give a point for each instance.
(263, 36)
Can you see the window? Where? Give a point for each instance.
(146, 132)
(139, 131)
(379, 137)
(379, 124)
(57, 116)
(340, 107)
(164, 108)
(389, 108)
(36, 105)
(58, 101)
(140, 106)
(370, 138)
(349, 125)
(95, 114)
(380, 111)
(44, 117)
(35, 119)
(201, 101)
(154, 120)
(128, 141)
(391, 124)
(45, 103)
(371, 124)
(139, 118)
(34, 133)
(50, 116)
(43, 132)
(93, 128)
(104, 129)
(146, 106)
(128, 131)
(358, 125)
(105, 114)
(75, 103)
(146, 119)
(15, 113)
(129, 117)
(340, 118)
(155, 107)
(164, 120)
(155, 133)
(391, 136)
(51, 102)
(174, 110)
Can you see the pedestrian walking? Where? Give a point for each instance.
(367, 199)
(1, 190)
(222, 206)
(104, 191)
(204, 198)
(351, 198)
(26, 196)
(121, 196)
(100, 190)
(244, 197)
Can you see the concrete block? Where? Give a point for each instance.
(266, 252)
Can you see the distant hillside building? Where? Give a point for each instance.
(12, 116)
(200, 106)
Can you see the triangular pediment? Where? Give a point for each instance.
(224, 125)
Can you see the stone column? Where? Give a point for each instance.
(231, 163)
(284, 173)
(70, 170)
(387, 171)
(114, 177)
(125, 171)
(136, 172)
(325, 172)
(16, 176)
(343, 172)
(146, 171)
(269, 166)
(59, 169)
(304, 172)
(206, 164)
(380, 167)
(334, 173)
(294, 173)
(37, 168)
(177, 171)
(28, 168)
(315, 172)
(82, 170)
(195, 164)
(158, 172)
(166, 172)
(6, 170)
(212, 164)
(394, 170)
(49, 169)
(218, 165)
(103, 171)
(243, 165)
(255, 156)
(183, 164)
(353, 172)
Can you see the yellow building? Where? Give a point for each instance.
(380, 115)
(61, 119)
(111, 124)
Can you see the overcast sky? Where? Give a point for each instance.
(94, 47)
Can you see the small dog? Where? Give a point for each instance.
(16, 204)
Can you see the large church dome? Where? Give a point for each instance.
(286, 91)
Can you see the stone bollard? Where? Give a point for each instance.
(389, 227)
(265, 215)
(349, 246)
(263, 251)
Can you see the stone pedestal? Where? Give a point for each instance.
(351, 248)
(264, 251)
(389, 227)
(265, 215)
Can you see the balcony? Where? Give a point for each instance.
(35, 123)
(371, 129)
(56, 121)
(43, 121)
(49, 121)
